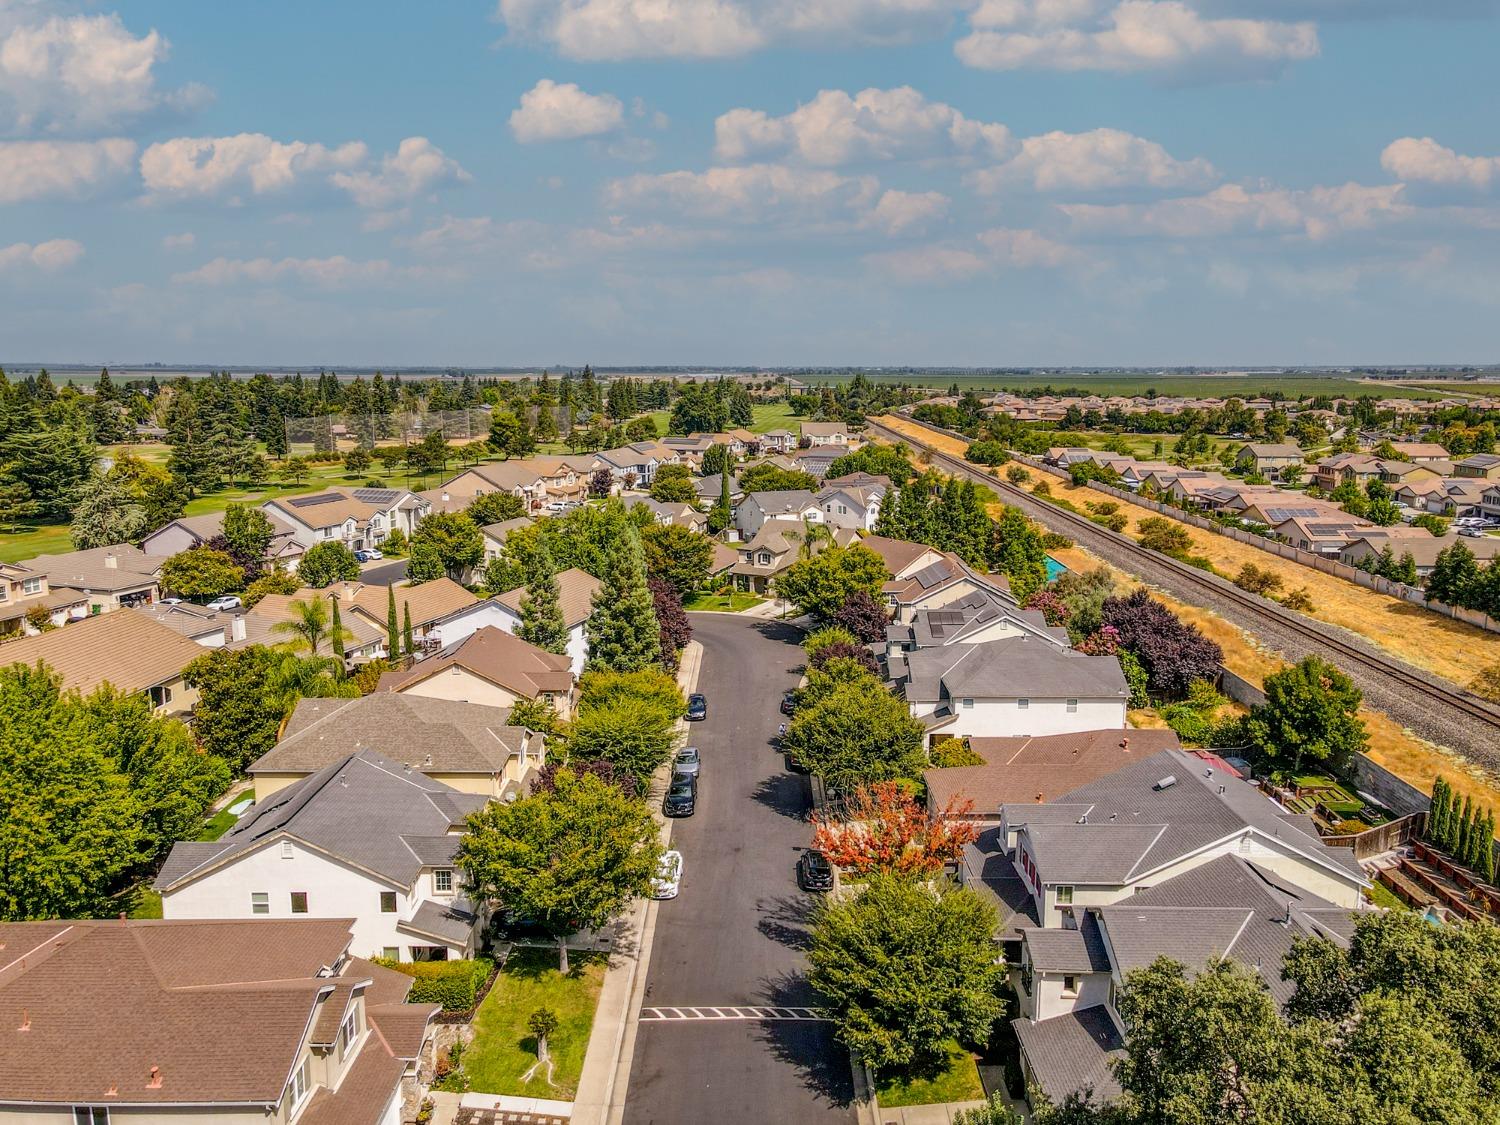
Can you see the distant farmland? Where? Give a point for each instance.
(1203, 386)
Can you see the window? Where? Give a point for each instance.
(91, 1115)
(391, 952)
(161, 695)
(298, 1086)
(1023, 704)
(1070, 985)
(1064, 896)
(4, 591)
(260, 902)
(387, 902)
(968, 703)
(442, 881)
(1072, 706)
(299, 902)
(346, 1036)
(34, 586)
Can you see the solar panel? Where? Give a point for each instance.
(379, 496)
(930, 576)
(314, 501)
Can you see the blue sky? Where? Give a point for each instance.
(974, 182)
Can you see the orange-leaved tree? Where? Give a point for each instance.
(885, 829)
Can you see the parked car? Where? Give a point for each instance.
(168, 601)
(682, 796)
(227, 601)
(814, 872)
(1472, 532)
(788, 702)
(668, 878)
(687, 761)
(697, 707)
(369, 554)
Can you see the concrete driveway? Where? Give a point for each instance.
(733, 938)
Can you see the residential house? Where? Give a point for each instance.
(775, 546)
(184, 534)
(468, 746)
(1358, 468)
(126, 650)
(492, 667)
(1420, 494)
(210, 628)
(709, 488)
(538, 481)
(851, 505)
(778, 441)
(442, 612)
(1423, 547)
(1066, 456)
(973, 618)
(495, 535)
(1322, 535)
(1421, 452)
(826, 433)
(798, 505)
(1394, 473)
(108, 578)
(576, 590)
(1014, 686)
(635, 465)
(941, 584)
(1479, 466)
(364, 839)
(1267, 458)
(901, 558)
(673, 514)
(356, 517)
(1038, 768)
(816, 460)
(256, 1022)
(1489, 502)
(24, 592)
(261, 624)
(1462, 496)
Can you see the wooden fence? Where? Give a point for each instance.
(1382, 838)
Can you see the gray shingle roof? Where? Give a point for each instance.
(1073, 1052)
(450, 921)
(363, 808)
(1014, 667)
(1068, 951)
(989, 871)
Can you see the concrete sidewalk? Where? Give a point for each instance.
(606, 1063)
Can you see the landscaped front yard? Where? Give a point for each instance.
(503, 1049)
(959, 1082)
(724, 603)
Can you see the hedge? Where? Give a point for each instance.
(453, 984)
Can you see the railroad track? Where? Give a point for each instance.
(1431, 707)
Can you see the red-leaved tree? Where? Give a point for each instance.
(676, 629)
(863, 616)
(887, 830)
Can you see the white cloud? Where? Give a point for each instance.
(754, 192)
(901, 212)
(625, 29)
(184, 241)
(1098, 160)
(1136, 36)
(337, 272)
(552, 111)
(414, 168)
(47, 169)
(1317, 212)
(80, 73)
(992, 251)
(835, 128)
(1426, 161)
(49, 257)
(208, 166)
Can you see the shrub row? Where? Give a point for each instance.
(455, 985)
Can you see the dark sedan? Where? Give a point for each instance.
(682, 796)
(697, 707)
(814, 872)
(788, 702)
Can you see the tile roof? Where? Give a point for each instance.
(1073, 1052)
(91, 569)
(123, 648)
(334, 506)
(429, 601)
(575, 589)
(497, 656)
(364, 809)
(428, 734)
(261, 618)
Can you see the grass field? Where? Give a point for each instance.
(958, 1082)
(1206, 386)
(733, 603)
(503, 1048)
(1143, 446)
(766, 416)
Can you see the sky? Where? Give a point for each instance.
(773, 182)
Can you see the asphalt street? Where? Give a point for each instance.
(734, 935)
(384, 573)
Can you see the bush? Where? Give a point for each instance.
(1017, 474)
(453, 984)
(1258, 580)
(841, 651)
(649, 688)
(986, 453)
(1055, 541)
(1298, 599)
(954, 752)
(1157, 533)
(822, 638)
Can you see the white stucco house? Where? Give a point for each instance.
(365, 839)
(575, 590)
(791, 504)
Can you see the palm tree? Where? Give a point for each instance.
(310, 625)
(306, 677)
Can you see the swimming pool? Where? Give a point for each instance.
(1054, 568)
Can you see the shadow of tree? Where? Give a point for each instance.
(787, 920)
(808, 1046)
(785, 794)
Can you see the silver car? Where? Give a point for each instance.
(687, 761)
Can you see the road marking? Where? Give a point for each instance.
(726, 1012)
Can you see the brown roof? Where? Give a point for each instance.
(495, 655)
(123, 648)
(575, 590)
(365, 1093)
(897, 554)
(330, 507)
(273, 608)
(220, 1007)
(91, 569)
(429, 601)
(1027, 768)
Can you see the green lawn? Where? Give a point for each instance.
(219, 823)
(959, 1082)
(734, 603)
(142, 902)
(1381, 895)
(503, 1049)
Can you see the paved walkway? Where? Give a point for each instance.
(924, 1114)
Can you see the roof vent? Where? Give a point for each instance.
(1124, 744)
(1084, 819)
(1166, 782)
(25, 1020)
(155, 1083)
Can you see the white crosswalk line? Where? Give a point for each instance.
(705, 1013)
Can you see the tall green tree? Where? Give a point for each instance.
(1017, 552)
(623, 633)
(336, 631)
(721, 515)
(822, 584)
(408, 643)
(105, 512)
(855, 732)
(542, 621)
(1454, 576)
(247, 535)
(323, 564)
(201, 572)
(571, 859)
(392, 637)
(231, 718)
(1311, 713)
(678, 555)
(454, 540)
(310, 625)
(673, 484)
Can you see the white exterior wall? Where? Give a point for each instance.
(470, 620)
(578, 644)
(1049, 999)
(334, 890)
(1000, 718)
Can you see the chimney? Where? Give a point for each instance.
(155, 1083)
(110, 561)
(237, 627)
(1125, 744)
(25, 1020)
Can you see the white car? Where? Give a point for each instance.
(228, 601)
(668, 878)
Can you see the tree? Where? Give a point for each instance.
(231, 719)
(542, 621)
(675, 629)
(987, 453)
(1173, 653)
(821, 585)
(247, 537)
(1017, 551)
(863, 616)
(1158, 533)
(1454, 577)
(545, 779)
(201, 572)
(336, 631)
(907, 968)
(392, 636)
(408, 643)
(542, 1023)
(105, 512)
(275, 582)
(885, 829)
(857, 732)
(630, 737)
(767, 477)
(877, 459)
(495, 507)
(357, 460)
(623, 633)
(569, 859)
(721, 515)
(508, 435)
(310, 625)
(678, 555)
(649, 689)
(453, 539)
(716, 459)
(50, 464)
(601, 483)
(323, 564)
(424, 564)
(1311, 712)
(673, 484)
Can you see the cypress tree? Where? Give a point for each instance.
(336, 630)
(1434, 828)
(623, 633)
(722, 514)
(406, 628)
(1486, 864)
(542, 622)
(392, 634)
(1465, 826)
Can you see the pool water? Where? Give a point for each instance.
(1054, 568)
